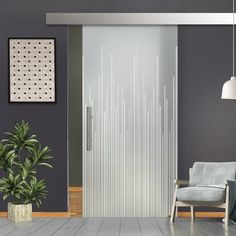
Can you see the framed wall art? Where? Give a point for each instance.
(32, 70)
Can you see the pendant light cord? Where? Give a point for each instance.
(233, 38)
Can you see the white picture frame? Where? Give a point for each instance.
(32, 70)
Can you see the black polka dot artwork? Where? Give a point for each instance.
(32, 70)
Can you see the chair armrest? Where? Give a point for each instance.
(181, 182)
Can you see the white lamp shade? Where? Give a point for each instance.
(229, 89)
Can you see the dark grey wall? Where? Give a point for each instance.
(26, 18)
(75, 104)
(207, 124)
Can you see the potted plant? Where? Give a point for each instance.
(21, 155)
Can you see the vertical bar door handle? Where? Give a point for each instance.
(89, 129)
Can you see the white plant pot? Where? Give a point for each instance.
(19, 212)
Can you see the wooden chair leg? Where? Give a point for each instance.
(227, 207)
(173, 210)
(192, 213)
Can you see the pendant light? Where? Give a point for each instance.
(229, 87)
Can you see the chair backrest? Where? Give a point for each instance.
(212, 173)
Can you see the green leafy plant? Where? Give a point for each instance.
(21, 155)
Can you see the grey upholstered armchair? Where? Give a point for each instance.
(210, 184)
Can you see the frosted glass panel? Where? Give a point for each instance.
(129, 119)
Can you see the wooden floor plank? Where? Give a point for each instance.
(116, 227)
(71, 227)
(3, 222)
(24, 229)
(178, 228)
(164, 224)
(110, 226)
(15, 227)
(231, 229)
(222, 229)
(51, 227)
(91, 227)
(130, 227)
(209, 230)
(149, 227)
(186, 227)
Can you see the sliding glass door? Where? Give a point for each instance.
(129, 119)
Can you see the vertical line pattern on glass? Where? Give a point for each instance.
(130, 82)
(89, 128)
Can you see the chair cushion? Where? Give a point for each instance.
(212, 173)
(201, 194)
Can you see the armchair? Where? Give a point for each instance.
(210, 184)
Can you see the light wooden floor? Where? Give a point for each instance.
(115, 227)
